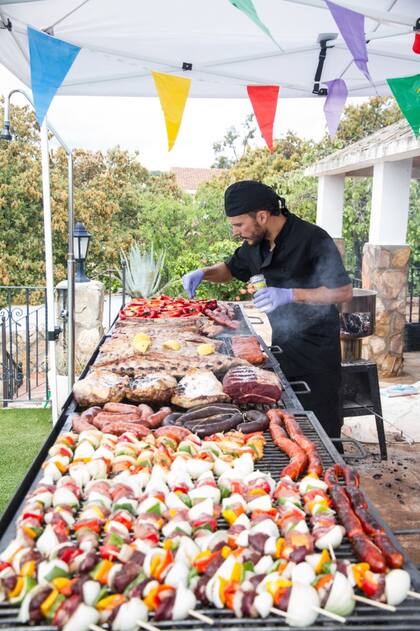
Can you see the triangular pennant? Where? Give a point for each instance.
(334, 103)
(50, 60)
(248, 8)
(352, 29)
(264, 102)
(173, 93)
(406, 91)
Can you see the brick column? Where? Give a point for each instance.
(385, 270)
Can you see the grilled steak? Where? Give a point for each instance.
(247, 347)
(100, 386)
(157, 387)
(198, 387)
(248, 384)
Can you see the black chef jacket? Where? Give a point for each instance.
(305, 257)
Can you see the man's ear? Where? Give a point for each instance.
(262, 217)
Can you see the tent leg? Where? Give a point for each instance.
(49, 269)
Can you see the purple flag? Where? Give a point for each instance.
(352, 28)
(334, 103)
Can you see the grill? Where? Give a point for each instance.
(364, 618)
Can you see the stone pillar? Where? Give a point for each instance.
(329, 209)
(88, 315)
(341, 247)
(385, 270)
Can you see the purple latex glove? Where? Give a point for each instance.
(270, 298)
(191, 281)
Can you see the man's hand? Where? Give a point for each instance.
(270, 298)
(191, 281)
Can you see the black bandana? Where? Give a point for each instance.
(248, 195)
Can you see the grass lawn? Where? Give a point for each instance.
(22, 433)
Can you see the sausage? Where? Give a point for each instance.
(366, 551)
(121, 408)
(296, 434)
(173, 431)
(253, 426)
(90, 413)
(145, 411)
(208, 419)
(172, 419)
(393, 557)
(255, 415)
(103, 418)
(206, 428)
(208, 410)
(298, 457)
(119, 427)
(79, 424)
(155, 420)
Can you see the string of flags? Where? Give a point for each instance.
(52, 58)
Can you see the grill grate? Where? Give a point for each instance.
(364, 618)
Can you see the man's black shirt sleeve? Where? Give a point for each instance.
(327, 264)
(238, 264)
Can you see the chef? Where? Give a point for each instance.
(305, 279)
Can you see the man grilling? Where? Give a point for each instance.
(305, 279)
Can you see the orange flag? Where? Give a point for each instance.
(264, 102)
(173, 93)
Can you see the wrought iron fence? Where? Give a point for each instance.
(414, 293)
(24, 345)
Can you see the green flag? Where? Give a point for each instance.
(248, 8)
(406, 91)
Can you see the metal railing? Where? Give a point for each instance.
(24, 347)
(414, 293)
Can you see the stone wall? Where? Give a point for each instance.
(384, 270)
(88, 314)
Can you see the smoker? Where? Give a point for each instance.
(357, 320)
(360, 393)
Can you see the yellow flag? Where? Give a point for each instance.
(173, 93)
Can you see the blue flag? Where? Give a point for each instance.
(50, 59)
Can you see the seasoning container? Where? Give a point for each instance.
(256, 282)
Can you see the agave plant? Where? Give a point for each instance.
(143, 271)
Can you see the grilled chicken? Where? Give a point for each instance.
(198, 387)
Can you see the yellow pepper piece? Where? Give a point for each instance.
(141, 342)
(230, 516)
(236, 572)
(205, 349)
(324, 558)
(171, 345)
(48, 602)
(110, 602)
(154, 564)
(359, 570)
(17, 588)
(226, 551)
(29, 531)
(280, 543)
(28, 569)
(60, 582)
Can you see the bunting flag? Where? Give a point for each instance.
(173, 93)
(50, 61)
(406, 91)
(352, 28)
(247, 7)
(264, 102)
(334, 104)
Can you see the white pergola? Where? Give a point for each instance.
(392, 157)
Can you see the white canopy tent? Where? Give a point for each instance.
(211, 42)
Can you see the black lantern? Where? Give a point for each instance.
(81, 238)
(5, 132)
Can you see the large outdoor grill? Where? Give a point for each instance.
(364, 618)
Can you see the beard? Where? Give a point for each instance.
(257, 235)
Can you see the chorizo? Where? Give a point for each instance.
(121, 408)
(90, 413)
(79, 424)
(145, 411)
(173, 431)
(155, 420)
(119, 427)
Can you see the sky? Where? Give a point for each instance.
(137, 124)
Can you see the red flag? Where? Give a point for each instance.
(264, 102)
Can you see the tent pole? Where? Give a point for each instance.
(52, 369)
(70, 280)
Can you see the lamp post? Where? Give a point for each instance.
(5, 134)
(81, 239)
